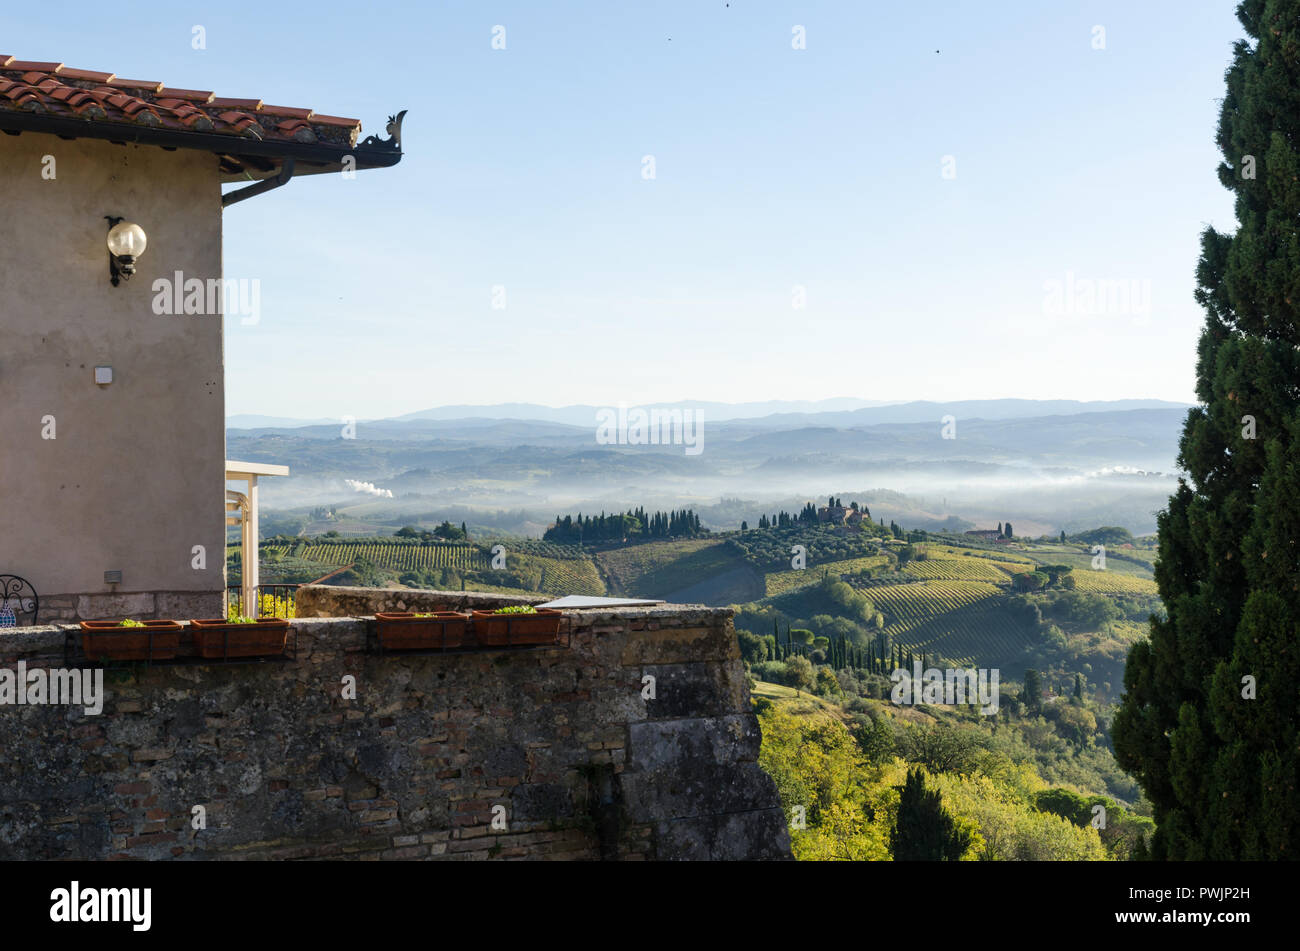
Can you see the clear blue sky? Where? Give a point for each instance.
(775, 167)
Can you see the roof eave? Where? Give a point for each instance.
(312, 158)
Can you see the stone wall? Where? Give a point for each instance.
(337, 601)
(141, 605)
(560, 746)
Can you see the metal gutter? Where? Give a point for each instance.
(265, 185)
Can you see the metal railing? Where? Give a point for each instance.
(273, 600)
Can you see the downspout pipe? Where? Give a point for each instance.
(266, 185)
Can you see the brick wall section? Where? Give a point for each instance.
(416, 765)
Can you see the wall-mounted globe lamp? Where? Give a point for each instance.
(126, 242)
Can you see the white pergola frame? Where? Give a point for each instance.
(242, 510)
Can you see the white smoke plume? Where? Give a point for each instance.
(369, 488)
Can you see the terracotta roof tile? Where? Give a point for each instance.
(244, 123)
(53, 90)
(136, 84)
(191, 94)
(86, 74)
(227, 103)
(25, 65)
(287, 111)
(318, 119)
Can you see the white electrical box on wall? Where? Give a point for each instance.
(103, 375)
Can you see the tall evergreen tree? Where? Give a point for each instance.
(1033, 692)
(1219, 767)
(926, 831)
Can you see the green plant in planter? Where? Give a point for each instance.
(240, 619)
(130, 623)
(517, 609)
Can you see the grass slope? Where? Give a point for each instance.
(701, 571)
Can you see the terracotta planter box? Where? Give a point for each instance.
(215, 638)
(405, 630)
(507, 630)
(105, 640)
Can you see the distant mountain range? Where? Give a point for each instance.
(777, 414)
(1043, 464)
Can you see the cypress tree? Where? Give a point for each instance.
(925, 831)
(1032, 695)
(1219, 768)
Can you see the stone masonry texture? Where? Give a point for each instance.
(523, 754)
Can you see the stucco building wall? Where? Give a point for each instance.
(134, 477)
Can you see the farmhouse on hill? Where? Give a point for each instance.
(840, 514)
(112, 398)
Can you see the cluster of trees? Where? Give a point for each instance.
(911, 553)
(1044, 577)
(444, 532)
(1122, 832)
(805, 516)
(1066, 723)
(1079, 610)
(882, 789)
(770, 550)
(1072, 719)
(618, 527)
(1112, 536)
(783, 519)
(767, 653)
(516, 574)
